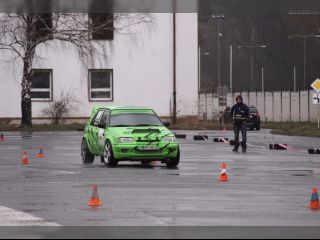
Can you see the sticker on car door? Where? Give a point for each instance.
(101, 136)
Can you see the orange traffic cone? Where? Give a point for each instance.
(224, 177)
(1, 138)
(24, 160)
(315, 205)
(40, 154)
(95, 200)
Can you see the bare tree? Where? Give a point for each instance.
(63, 106)
(22, 33)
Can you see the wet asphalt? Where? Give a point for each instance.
(266, 188)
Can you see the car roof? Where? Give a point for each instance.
(123, 109)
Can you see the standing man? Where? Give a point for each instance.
(240, 114)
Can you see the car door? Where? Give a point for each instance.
(103, 126)
(95, 131)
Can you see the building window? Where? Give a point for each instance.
(41, 85)
(101, 85)
(44, 26)
(101, 26)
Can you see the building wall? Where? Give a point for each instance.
(142, 64)
(187, 63)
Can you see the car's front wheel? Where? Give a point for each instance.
(174, 162)
(87, 157)
(108, 156)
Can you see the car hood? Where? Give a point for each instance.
(140, 132)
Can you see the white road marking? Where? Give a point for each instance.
(64, 172)
(66, 148)
(9, 148)
(11, 217)
(71, 154)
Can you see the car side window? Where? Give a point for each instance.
(96, 120)
(105, 118)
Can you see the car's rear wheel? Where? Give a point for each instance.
(174, 162)
(108, 156)
(87, 157)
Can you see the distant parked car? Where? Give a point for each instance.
(254, 120)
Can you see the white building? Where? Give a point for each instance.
(138, 72)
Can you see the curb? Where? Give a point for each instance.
(314, 151)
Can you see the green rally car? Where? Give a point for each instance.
(128, 134)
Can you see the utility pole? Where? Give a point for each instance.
(295, 79)
(174, 117)
(262, 79)
(231, 68)
(218, 19)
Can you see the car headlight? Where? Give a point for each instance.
(125, 140)
(169, 139)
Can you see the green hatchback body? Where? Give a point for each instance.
(128, 134)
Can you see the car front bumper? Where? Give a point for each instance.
(136, 152)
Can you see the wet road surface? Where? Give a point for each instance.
(266, 187)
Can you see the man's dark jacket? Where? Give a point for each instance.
(240, 113)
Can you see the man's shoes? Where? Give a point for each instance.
(244, 150)
(235, 150)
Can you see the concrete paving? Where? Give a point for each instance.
(266, 188)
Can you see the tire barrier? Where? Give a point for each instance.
(314, 151)
(233, 142)
(277, 146)
(181, 136)
(221, 140)
(201, 137)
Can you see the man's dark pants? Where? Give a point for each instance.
(243, 129)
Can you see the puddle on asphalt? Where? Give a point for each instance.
(190, 174)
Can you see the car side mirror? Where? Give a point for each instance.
(166, 124)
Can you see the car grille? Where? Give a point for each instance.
(148, 152)
(141, 140)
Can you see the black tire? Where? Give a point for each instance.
(87, 157)
(174, 162)
(108, 157)
(258, 128)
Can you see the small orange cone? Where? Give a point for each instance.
(40, 154)
(315, 205)
(1, 138)
(24, 160)
(224, 176)
(95, 200)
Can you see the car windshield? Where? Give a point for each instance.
(134, 120)
(253, 110)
